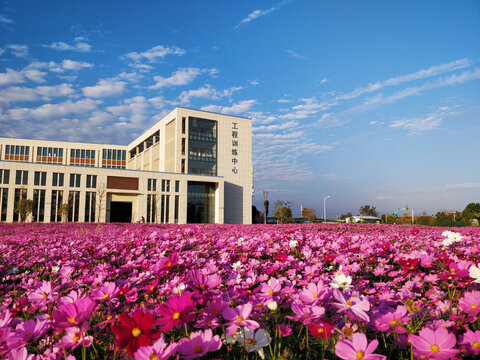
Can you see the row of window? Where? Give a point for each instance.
(40, 178)
(17, 150)
(144, 145)
(163, 202)
(165, 187)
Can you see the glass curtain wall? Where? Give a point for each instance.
(202, 146)
(201, 203)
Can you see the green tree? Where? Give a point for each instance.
(283, 212)
(471, 211)
(309, 214)
(367, 210)
(23, 208)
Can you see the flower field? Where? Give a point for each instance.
(318, 291)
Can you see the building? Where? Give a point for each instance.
(363, 219)
(190, 167)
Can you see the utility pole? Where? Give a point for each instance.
(265, 205)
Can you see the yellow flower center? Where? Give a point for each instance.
(393, 322)
(360, 355)
(270, 292)
(239, 319)
(136, 332)
(44, 295)
(320, 330)
(202, 287)
(315, 296)
(434, 348)
(476, 344)
(153, 357)
(72, 320)
(152, 288)
(198, 349)
(473, 306)
(76, 337)
(176, 316)
(349, 303)
(105, 296)
(452, 271)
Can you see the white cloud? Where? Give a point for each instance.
(235, 109)
(154, 53)
(420, 125)
(35, 75)
(105, 88)
(333, 176)
(276, 127)
(20, 94)
(79, 45)
(11, 77)
(310, 107)
(418, 75)
(52, 111)
(75, 65)
(207, 92)
(18, 50)
(5, 20)
(182, 76)
(133, 110)
(295, 55)
(258, 13)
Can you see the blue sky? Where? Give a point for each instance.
(370, 102)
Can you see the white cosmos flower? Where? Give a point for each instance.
(272, 305)
(293, 243)
(455, 237)
(254, 341)
(447, 242)
(236, 265)
(340, 281)
(474, 272)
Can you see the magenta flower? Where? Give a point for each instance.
(470, 303)
(20, 354)
(393, 320)
(43, 294)
(158, 351)
(269, 289)
(73, 337)
(204, 282)
(306, 313)
(358, 348)
(174, 312)
(106, 291)
(198, 344)
(471, 341)
(239, 317)
(435, 344)
(313, 293)
(74, 314)
(354, 306)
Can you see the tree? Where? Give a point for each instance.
(101, 193)
(23, 208)
(367, 210)
(256, 215)
(309, 214)
(471, 211)
(345, 216)
(64, 209)
(283, 212)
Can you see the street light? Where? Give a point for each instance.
(324, 209)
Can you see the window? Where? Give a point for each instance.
(91, 181)
(74, 180)
(152, 185)
(3, 204)
(73, 205)
(38, 212)
(56, 201)
(40, 178)
(19, 194)
(82, 157)
(183, 125)
(183, 146)
(151, 208)
(49, 155)
(57, 179)
(177, 186)
(114, 158)
(4, 176)
(177, 201)
(21, 177)
(17, 152)
(90, 206)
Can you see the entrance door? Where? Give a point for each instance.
(120, 211)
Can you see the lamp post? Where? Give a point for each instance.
(324, 209)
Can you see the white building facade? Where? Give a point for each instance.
(190, 167)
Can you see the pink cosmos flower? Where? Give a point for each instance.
(313, 293)
(393, 320)
(358, 348)
(199, 344)
(106, 291)
(306, 313)
(74, 314)
(470, 303)
(20, 354)
(239, 317)
(471, 341)
(73, 337)
(174, 312)
(435, 344)
(157, 351)
(355, 306)
(269, 289)
(283, 330)
(43, 294)
(204, 282)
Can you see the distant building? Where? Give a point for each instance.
(363, 219)
(191, 167)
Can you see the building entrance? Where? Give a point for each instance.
(121, 211)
